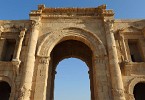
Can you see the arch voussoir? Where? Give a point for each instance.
(53, 38)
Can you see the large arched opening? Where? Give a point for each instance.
(72, 80)
(5, 90)
(66, 43)
(139, 91)
(67, 49)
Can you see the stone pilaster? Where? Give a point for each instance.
(41, 78)
(101, 79)
(25, 88)
(117, 83)
(124, 48)
(52, 85)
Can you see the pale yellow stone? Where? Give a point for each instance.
(90, 34)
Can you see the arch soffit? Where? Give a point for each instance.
(73, 33)
(133, 83)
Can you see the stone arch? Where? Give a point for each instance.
(44, 65)
(85, 36)
(11, 84)
(132, 85)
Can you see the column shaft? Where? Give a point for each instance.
(123, 47)
(19, 46)
(28, 70)
(117, 83)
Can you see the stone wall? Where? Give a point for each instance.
(113, 68)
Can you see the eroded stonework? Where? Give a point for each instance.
(114, 51)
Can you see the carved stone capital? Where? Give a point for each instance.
(44, 60)
(35, 24)
(118, 92)
(16, 63)
(109, 25)
(108, 21)
(22, 33)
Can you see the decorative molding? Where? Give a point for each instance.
(129, 29)
(99, 11)
(133, 82)
(44, 60)
(11, 27)
(80, 34)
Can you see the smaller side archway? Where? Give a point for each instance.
(5, 90)
(139, 91)
(133, 85)
(8, 86)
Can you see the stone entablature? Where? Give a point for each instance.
(71, 12)
(114, 67)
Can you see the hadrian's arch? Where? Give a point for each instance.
(65, 43)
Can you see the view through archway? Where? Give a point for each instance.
(5, 90)
(139, 91)
(72, 80)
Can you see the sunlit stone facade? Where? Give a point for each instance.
(114, 51)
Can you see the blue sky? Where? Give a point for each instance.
(19, 9)
(72, 82)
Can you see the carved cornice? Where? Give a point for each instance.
(130, 27)
(65, 12)
(10, 27)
